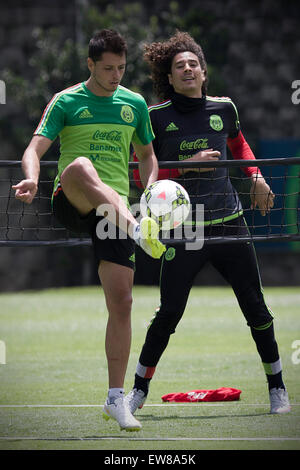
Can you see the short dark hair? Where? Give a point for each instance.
(106, 40)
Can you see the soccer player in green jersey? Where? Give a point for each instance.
(96, 122)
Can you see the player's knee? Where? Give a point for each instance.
(126, 301)
(121, 301)
(165, 322)
(159, 332)
(78, 169)
(259, 318)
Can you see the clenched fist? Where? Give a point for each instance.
(25, 190)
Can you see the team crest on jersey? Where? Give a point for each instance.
(127, 114)
(215, 122)
(170, 254)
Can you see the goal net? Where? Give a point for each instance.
(35, 224)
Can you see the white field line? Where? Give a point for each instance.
(169, 405)
(111, 438)
(16, 438)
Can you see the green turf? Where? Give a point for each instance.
(55, 356)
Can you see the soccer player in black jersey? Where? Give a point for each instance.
(189, 124)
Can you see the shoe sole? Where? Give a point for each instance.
(150, 230)
(128, 429)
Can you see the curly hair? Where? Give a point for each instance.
(159, 56)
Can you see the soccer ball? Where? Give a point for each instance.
(166, 202)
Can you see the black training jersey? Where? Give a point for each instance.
(178, 136)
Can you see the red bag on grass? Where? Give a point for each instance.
(220, 394)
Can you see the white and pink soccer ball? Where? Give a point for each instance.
(167, 202)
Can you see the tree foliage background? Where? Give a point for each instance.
(251, 47)
(56, 62)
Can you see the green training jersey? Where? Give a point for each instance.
(99, 128)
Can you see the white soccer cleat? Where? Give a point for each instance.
(279, 401)
(119, 411)
(149, 241)
(135, 399)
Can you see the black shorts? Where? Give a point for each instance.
(119, 248)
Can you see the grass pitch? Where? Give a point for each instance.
(54, 381)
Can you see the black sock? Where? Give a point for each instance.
(141, 384)
(275, 381)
